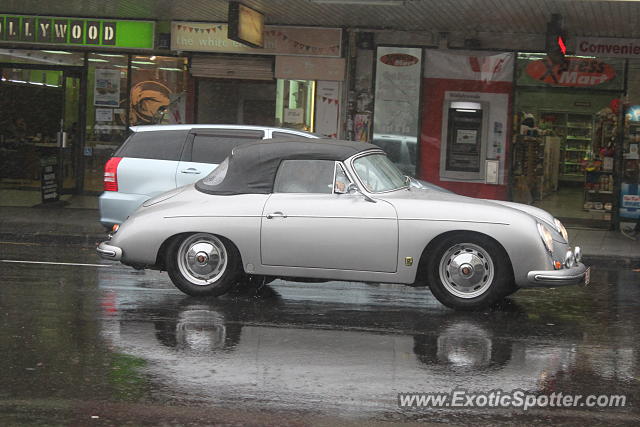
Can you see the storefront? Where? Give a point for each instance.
(294, 81)
(69, 90)
(514, 126)
(567, 120)
(466, 109)
(576, 149)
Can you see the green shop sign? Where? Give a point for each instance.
(77, 31)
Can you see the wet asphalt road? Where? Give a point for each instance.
(122, 346)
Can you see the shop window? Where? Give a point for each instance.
(295, 104)
(158, 90)
(32, 105)
(106, 118)
(567, 134)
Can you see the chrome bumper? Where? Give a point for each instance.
(575, 275)
(106, 251)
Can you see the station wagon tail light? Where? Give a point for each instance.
(111, 174)
(546, 237)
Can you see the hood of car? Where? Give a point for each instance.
(540, 214)
(433, 204)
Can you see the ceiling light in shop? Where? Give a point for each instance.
(97, 60)
(60, 52)
(152, 58)
(363, 2)
(112, 55)
(143, 62)
(169, 69)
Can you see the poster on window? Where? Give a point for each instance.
(397, 92)
(327, 108)
(107, 88)
(361, 125)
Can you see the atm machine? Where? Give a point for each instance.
(464, 140)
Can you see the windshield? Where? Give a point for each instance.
(378, 173)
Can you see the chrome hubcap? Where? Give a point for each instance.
(466, 270)
(202, 259)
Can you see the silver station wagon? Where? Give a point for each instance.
(339, 210)
(159, 158)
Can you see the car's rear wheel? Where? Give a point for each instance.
(469, 272)
(203, 264)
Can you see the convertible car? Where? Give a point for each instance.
(338, 210)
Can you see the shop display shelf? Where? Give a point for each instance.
(597, 210)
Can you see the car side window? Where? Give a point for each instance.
(214, 147)
(341, 181)
(287, 136)
(305, 176)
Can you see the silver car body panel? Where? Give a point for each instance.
(349, 232)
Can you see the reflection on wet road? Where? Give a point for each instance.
(336, 348)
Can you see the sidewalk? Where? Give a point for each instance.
(81, 226)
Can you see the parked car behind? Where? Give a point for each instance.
(155, 159)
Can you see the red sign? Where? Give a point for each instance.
(573, 72)
(399, 59)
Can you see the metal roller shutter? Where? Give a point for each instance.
(232, 67)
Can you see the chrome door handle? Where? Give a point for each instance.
(276, 215)
(191, 171)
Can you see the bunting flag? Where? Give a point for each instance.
(302, 46)
(330, 100)
(191, 29)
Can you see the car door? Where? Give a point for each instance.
(305, 223)
(207, 148)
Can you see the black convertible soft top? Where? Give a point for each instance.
(251, 168)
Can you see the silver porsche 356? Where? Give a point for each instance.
(340, 210)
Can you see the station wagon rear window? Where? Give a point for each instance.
(159, 145)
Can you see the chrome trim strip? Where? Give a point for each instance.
(106, 252)
(454, 220)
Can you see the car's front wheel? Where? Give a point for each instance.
(203, 264)
(468, 272)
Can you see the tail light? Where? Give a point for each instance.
(111, 174)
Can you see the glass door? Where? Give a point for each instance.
(69, 137)
(31, 102)
(39, 127)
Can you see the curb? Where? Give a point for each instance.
(73, 239)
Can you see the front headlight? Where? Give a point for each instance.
(546, 237)
(561, 229)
